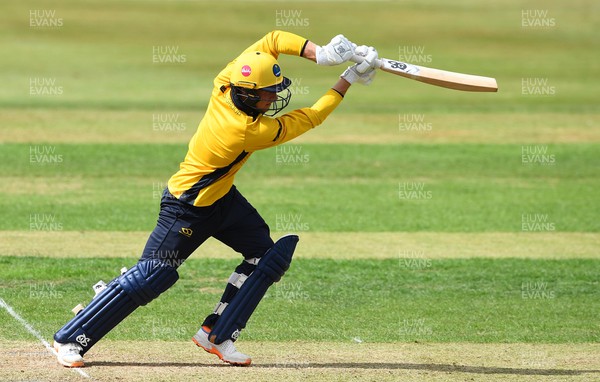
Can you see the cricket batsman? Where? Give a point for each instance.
(201, 201)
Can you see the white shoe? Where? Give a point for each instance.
(226, 351)
(69, 354)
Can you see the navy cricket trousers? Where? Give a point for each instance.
(182, 228)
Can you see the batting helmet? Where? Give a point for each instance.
(254, 71)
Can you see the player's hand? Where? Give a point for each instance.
(338, 51)
(352, 75)
(369, 55)
(362, 73)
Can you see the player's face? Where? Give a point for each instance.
(266, 99)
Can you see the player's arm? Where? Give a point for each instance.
(268, 132)
(337, 51)
(279, 42)
(275, 43)
(363, 73)
(330, 55)
(341, 86)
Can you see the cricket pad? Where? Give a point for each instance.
(271, 267)
(138, 286)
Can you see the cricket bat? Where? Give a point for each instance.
(437, 77)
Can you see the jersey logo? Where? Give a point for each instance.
(186, 231)
(246, 70)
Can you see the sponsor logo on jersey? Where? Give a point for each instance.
(246, 70)
(186, 231)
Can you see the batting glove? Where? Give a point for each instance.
(369, 55)
(338, 51)
(362, 73)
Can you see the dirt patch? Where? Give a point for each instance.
(302, 361)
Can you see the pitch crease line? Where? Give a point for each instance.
(35, 333)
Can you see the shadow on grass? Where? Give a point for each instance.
(381, 365)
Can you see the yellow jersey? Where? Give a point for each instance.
(226, 137)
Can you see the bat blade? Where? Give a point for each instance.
(443, 78)
(437, 77)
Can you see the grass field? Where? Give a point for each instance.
(444, 235)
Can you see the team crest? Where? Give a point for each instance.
(276, 70)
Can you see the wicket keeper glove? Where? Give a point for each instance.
(362, 73)
(338, 51)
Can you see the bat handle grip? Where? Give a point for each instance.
(359, 59)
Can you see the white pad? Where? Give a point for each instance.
(220, 307)
(253, 261)
(237, 279)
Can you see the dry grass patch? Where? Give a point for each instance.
(174, 126)
(491, 128)
(99, 126)
(46, 186)
(339, 245)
